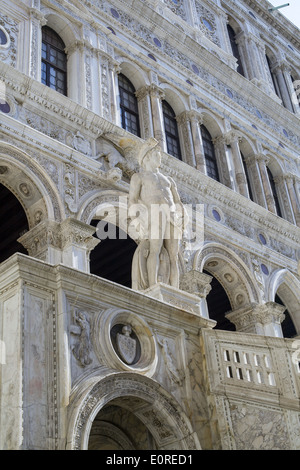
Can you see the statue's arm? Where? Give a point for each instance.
(135, 189)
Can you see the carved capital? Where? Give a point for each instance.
(254, 317)
(196, 283)
(74, 232)
(43, 236)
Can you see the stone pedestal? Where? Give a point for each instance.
(181, 299)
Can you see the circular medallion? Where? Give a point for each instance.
(124, 341)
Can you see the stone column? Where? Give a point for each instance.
(281, 70)
(262, 164)
(238, 167)
(286, 205)
(145, 112)
(225, 166)
(156, 97)
(77, 242)
(261, 319)
(196, 120)
(69, 243)
(290, 183)
(198, 284)
(31, 34)
(186, 139)
(249, 54)
(254, 174)
(44, 242)
(76, 78)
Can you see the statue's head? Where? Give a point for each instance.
(149, 156)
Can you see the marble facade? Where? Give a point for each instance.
(87, 363)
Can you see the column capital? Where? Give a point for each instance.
(196, 282)
(231, 137)
(258, 318)
(38, 15)
(151, 90)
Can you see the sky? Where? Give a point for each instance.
(292, 12)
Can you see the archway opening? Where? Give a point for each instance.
(117, 427)
(112, 258)
(218, 305)
(13, 224)
(288, 327)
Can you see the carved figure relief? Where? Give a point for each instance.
(81, 330)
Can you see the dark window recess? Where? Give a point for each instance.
(54, 61)
(13, 224)
(235, 49)
(171, 131)
(288, 327)
(209, 153)
(128, 106)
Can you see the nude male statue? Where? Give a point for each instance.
(160, 211)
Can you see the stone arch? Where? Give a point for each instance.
(274, 164)
(147, 399)
(66, 29)
(174, 99)
(110, 201)
(232, 273)
(135, 74)
(212, 123)
(31, 185)
(287, 286)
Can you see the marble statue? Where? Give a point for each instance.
(158, 217)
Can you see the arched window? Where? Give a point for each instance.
(274, 192)
(288, 327)
(128, 106)
(247, 177)
(54, 61)
(209, 153)
(235, 49)
(171, 131)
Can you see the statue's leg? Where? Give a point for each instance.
(172, 246)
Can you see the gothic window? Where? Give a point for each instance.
(209, 153)
(54, 61)
(235, 49)
(171, 131)
(128, 106)
(274, 192)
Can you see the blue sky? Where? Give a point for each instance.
(292, 12)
